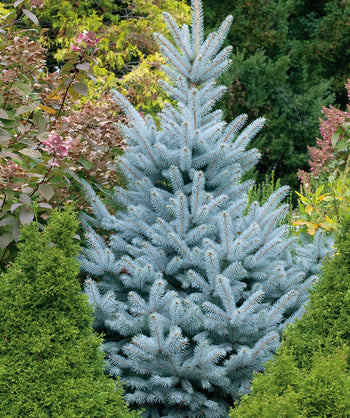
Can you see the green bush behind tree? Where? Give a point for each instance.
(51, 364)
(128, 54)
(310, 374)
(291, 58)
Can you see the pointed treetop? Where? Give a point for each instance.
(197, 25)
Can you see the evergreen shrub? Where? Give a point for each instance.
(290, 60)
(51, 364)
(310, 374)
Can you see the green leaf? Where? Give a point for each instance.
(341, 145)
(41, 122)
(71, 55)
(86, 164)
(81, 88)
(26, 215)
(8, 154)
(17, 3)
(346, 128)
(15, 206)
(16, 232)
(22, 109)
(31, 16)
(8, 220)
(66, 69)
(84, 66)
(91, 76)
(34, 105)
(4, 137)
(319, 190)
(10, 123)
(24, 198)
(74, 94)
(46, 191)
(27, 190)
(27, 108)
(91, 59)
(10, 195)
(8, 19)
(45, 205)
(335, 138)
(3, 114)
(23, 87)
(30, 152)
(5, 240)
(27, 141)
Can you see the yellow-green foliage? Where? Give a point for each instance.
(324, 206)
(325, 194)
(51, 364)
(323, 390)
(3, 11)
(126, 33)
(261, 192)
(310, 374)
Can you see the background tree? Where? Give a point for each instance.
(193, 285)
(50, 358)
(294, 60)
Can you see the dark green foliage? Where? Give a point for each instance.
(310, 374)
(319, 37)
(51, 364)
(257, 24)
(292, 58)
(259, 85)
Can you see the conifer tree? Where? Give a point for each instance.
(190, 285)
(51, 364)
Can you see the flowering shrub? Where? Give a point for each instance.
(35, 3)
(325, 190)
(128, 55)
(96, 122)
(57, 147)
(45, 127)
(86, 42)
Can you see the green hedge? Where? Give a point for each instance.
(310, 374)
(51, 364)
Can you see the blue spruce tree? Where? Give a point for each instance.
(192, 287)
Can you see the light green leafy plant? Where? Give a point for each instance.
(325, 191)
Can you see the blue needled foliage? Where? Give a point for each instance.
(192, 288)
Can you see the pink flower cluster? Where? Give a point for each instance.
(10, 169)
(35, 3)
(86, 41)
(323, 154)
(57, 147)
